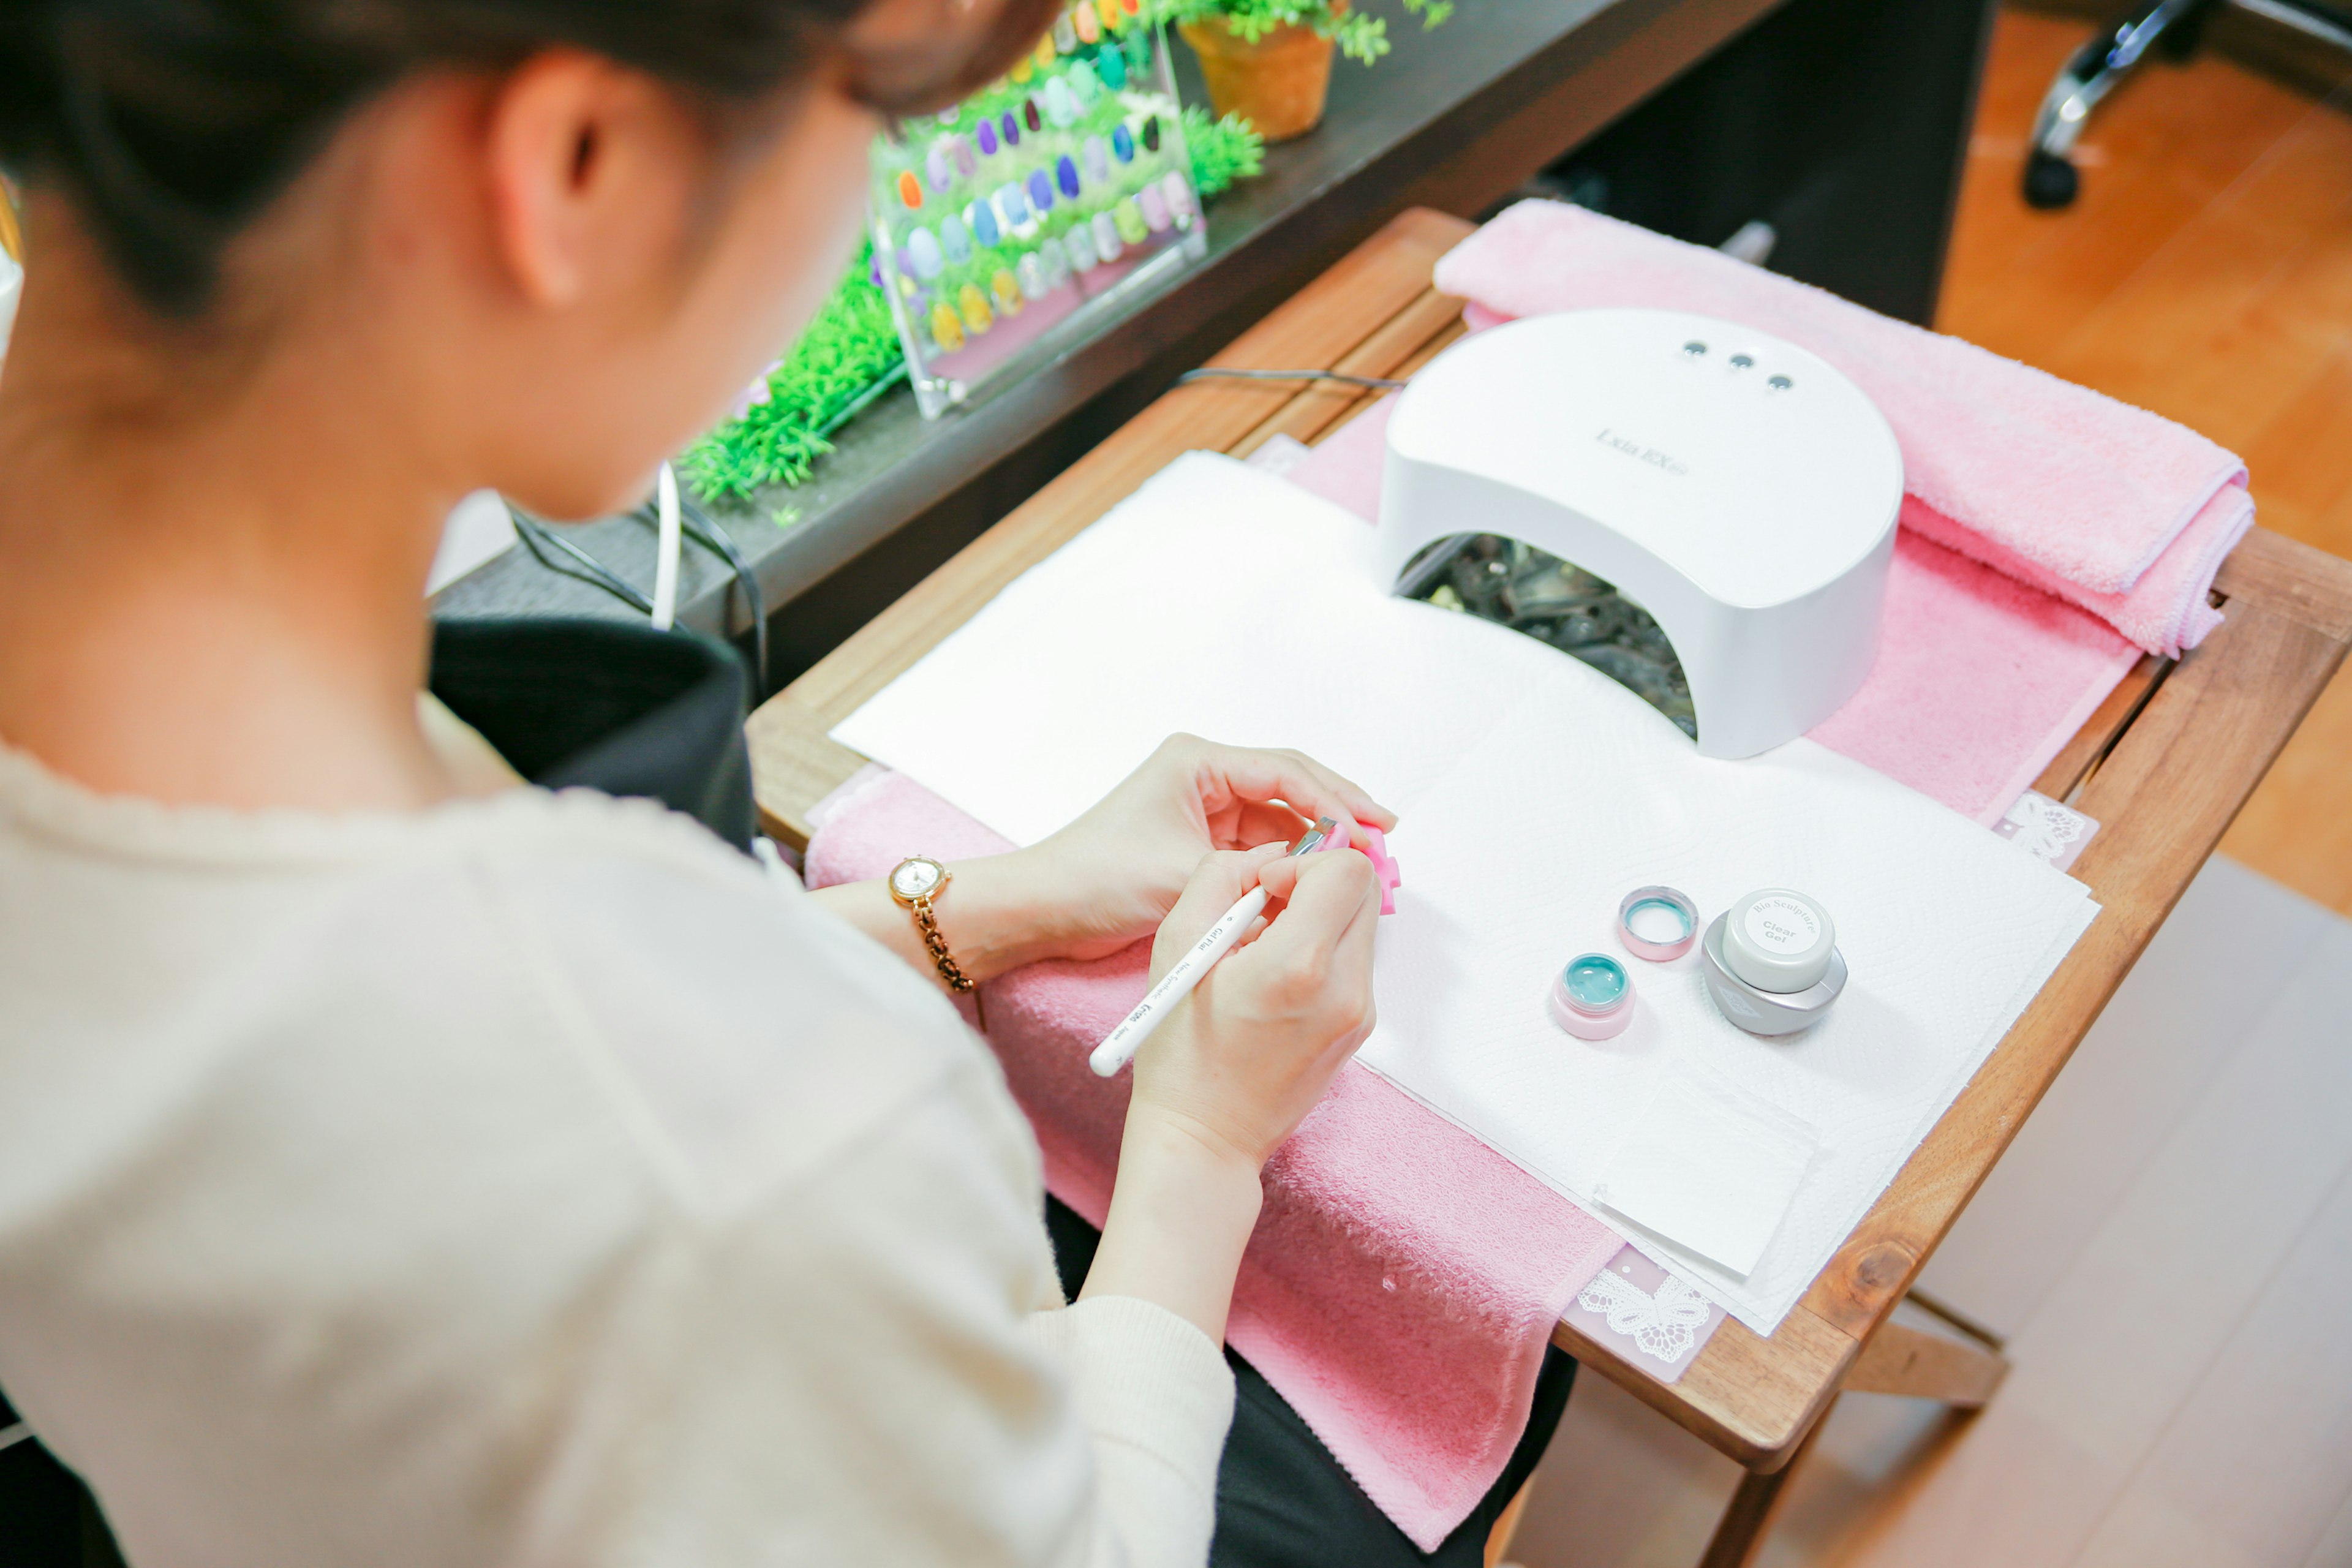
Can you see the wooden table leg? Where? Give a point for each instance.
(1960, 1368)
(1749, 1517)
(1498, 1540)
(1900, 1359)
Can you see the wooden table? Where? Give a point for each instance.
(2163, 766)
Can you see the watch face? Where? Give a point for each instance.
(914, 878)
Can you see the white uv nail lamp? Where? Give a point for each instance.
(1734, 485)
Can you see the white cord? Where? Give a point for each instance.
(665, 566)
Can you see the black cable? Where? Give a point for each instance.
(538, 538)
(703, 528)
(695, 524)
(1212, 371)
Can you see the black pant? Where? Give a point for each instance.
(1282, 1502)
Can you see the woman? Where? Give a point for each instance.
(398, 1165)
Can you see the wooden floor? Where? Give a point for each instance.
(2168, 1244)
(2205, 273)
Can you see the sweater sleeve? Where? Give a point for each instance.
(836, 1353)
(1156, 1398)
(851, 1373)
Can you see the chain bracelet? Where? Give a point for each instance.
(929, 924)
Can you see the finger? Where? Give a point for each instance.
(1326, 897)
(1307, 786)
(1221, 877)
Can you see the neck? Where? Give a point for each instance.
(214, 594)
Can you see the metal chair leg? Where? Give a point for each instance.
(2097, 67)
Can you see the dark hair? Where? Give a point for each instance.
(170, 125)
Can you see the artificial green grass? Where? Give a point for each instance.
(850, 353)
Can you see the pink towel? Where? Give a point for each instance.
(1980, 680)
(2120, 511)
(1405, 1278)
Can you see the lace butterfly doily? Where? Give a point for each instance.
(1663, 1325)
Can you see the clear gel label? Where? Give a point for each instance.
(1781, 925)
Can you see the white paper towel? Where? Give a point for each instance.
(1665, 1175)
(1534, 791)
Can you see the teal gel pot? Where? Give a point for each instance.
(1592, 998)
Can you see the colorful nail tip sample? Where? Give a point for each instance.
(966, 164)
(935, 164)
(977, 317)
(1013, 206)
(1056, 260)
(1088, 25)
(1128, 220)
(956, 240)
(1080, 243)
(1044, 54)
(1151, 135)
(1097, 156)
(924, 247)
(1007, 291)
(1065, 35)
(1122, 145)
(1065, 175)
(1110, 14)
(1107, 237)
(911, 189)
(986, 136)
(1061, 105)
(1010, 128)
(1021, 72)
(1156, 216)
(1031, 275)
(1029, 115)
(946, 330)
(1113, 67)
(1086, 84)
(983, 223)
(1179, 192)
(1041, 191)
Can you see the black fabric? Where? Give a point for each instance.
(613, 705)
(1282, 1502)
(47, 1519)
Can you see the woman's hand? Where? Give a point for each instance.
(1248, 1054)
(1234, 1071)
(1118, 870)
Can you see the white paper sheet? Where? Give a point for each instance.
(1534, 792)
(1707, 1167)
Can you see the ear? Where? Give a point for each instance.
(568, 141)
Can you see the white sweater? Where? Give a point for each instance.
(534, 1180)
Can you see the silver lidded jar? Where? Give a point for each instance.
(1772, 963)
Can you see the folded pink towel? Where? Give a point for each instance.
(2119, 510)
(1980, 680)
(1403, 1279)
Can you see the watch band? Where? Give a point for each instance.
(931, 879)
(929, 924)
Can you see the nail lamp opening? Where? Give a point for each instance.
(1736, 487)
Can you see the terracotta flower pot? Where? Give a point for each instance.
(1277, 83)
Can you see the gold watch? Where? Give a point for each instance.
(914, 882)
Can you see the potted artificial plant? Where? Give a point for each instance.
(1269, 61)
